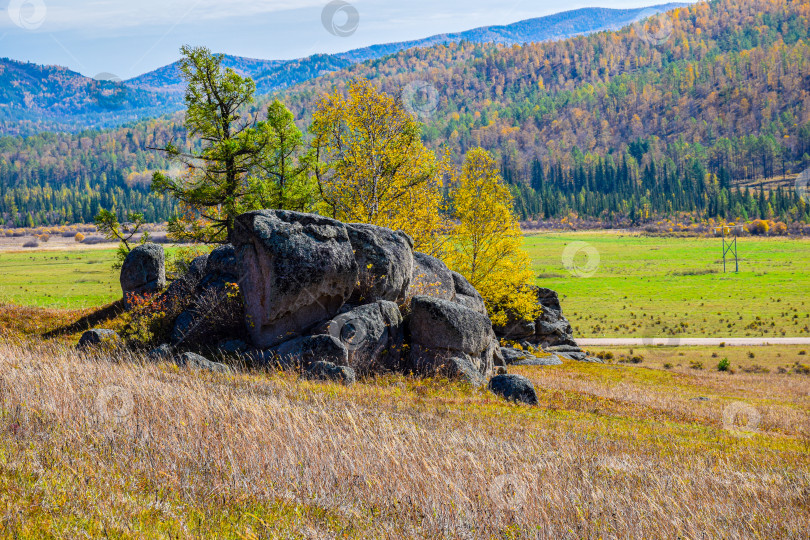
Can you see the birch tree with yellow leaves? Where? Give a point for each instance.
(372, 167)
(485, 241)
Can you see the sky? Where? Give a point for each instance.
(129, 37)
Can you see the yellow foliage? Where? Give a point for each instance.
(372, 166)
(485, 241)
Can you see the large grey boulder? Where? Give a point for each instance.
(373, 335)
(514, 388)
(143, 271)
(431, 277)
(451, 339)
(294, 270)
(467, 295)
(384, 260)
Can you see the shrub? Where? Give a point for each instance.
(801, 368)
(695, 364)
(723, 365)
(667, 365)
(758, 227)
(31, 244)
(178, 262)
(79, 237)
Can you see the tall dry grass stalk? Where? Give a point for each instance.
(106, 438)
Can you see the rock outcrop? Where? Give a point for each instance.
(294, 270)
(333, 301)
(143, 271)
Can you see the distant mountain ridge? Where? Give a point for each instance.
(37, 98)
(557, 26)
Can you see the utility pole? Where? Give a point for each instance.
(730, 245)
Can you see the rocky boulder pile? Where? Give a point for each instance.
(338, 300)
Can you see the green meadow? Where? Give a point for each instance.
(610, 283)
(70, 279)
(615, 284)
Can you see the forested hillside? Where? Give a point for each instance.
(614, 125)
(36, 98)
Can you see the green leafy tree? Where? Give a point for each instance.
(216, 181)
(284, 181)
(108, 225)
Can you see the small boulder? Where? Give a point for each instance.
(161, 352)
(295, 270)
(551, 327)
(431, 277)
(523, 358)
(327, 371)
(514, 388)
(384, 261)
(232, 346)
(98, 338)
(302, 351)
(184, 327)
(143, 271)
(550, 360)
(195, 361)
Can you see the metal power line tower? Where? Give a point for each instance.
(729, 234)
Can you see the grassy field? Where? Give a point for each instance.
(59, 279)
(611, 284)
(614, 284)
(656, 442)
(117, 447)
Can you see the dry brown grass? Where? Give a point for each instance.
(117, 447)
